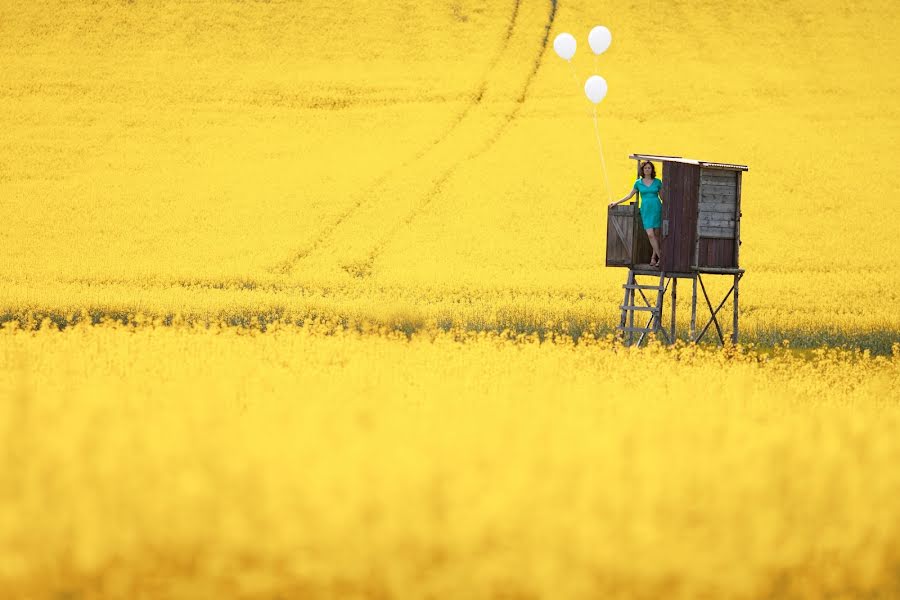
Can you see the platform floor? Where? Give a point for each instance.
(646, 269)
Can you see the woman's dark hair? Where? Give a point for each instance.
(652, 169)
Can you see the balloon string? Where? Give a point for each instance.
(602, 161)
(578, 84)
(574, 75)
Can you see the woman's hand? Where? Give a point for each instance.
(628, 197)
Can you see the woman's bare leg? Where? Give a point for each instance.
(651, 233)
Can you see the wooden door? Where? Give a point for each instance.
(680, 193)
(620, 235)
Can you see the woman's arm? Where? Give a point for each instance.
(633, 192)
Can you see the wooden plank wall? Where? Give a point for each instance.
(716, 253)
(718, 204)
(717, 221)
(681, 187)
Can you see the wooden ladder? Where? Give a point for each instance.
(629, 308)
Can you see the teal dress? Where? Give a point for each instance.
(651, 205)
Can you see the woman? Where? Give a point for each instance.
(651, 206)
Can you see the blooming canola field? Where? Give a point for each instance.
(309, 158)
(308, 299)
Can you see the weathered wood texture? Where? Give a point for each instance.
(643, 251)
(715, 220)
(717, 213)
(620, 235)
(681, 188)
(725, 233)
(716, 253)
(626, 241)
(715, 206)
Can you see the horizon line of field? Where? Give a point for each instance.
(510, 303)
(566, 326)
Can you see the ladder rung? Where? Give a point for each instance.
(641, 329)
(644, 308)
(643, 287)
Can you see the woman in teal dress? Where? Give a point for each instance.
(651, 206)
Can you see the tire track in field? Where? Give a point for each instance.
(481, 90)
(364, 268)
(366, 197)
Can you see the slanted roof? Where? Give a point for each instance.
(690, 161)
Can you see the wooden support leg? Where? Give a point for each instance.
(623, 319)
(674, 298)
(694, 310)
(660, 296)
(631, 314)
(734, 332)
(660, 303)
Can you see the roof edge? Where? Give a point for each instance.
(690, 161)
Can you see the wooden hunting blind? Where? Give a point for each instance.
(700, 234)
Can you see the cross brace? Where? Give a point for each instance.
(715, 311)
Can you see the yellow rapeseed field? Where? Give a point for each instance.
(306, 299)
(309, 462)
(323, 158)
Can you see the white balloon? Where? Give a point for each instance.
(595, 88)
(564, 44)
(599, 39)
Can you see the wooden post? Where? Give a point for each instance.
(674, 298)
(694, 310)
(623, 320)
(734, 332)
(661, 297)
(631, 313)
